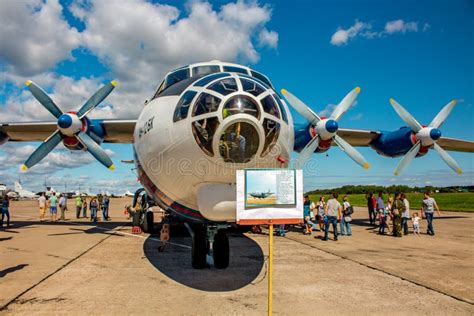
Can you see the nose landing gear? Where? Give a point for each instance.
(209, 242)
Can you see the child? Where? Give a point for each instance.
(416, 223)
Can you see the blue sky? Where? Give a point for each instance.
(423, 59)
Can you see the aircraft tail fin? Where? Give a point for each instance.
(18, 187)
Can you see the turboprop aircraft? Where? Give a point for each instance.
(22, 193)
(260, 195)
(204, 122)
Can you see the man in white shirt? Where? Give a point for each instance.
(332, 212)
(428, 208)
(42, 206)
(63, 206)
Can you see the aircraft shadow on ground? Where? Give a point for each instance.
(246, 263)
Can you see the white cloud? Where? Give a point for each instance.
(361, 29)
(342, 36)
(14, 155)
(151, 39)
(147, 41)
(35, 35)
(268, 38)
(400, 26)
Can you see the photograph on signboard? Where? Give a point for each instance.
(270, 188)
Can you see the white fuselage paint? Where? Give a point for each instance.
(171, 158)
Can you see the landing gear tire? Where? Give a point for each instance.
(199, 248)
(148, 222)
(221, 249)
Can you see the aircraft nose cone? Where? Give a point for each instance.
(331, 126)
(435, 134)
(64, 121)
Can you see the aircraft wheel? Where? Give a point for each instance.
(221, 249)
(148, 222)
(199, 248)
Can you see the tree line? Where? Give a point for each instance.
(362, 189)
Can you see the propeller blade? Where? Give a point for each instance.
(43, 98)
(345, 104)
(306, 153)
(96, 98)
(95, 150)
(447, 158)
(407, 158)
(351, 151)
(406, 116)
(300, 107)
(443, 114)
(45, 148)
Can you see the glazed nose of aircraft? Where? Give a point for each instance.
(435, 134)
(239, 141)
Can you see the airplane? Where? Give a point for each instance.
(22, 193)
(261, 195)
(204, 122)
(126, 194)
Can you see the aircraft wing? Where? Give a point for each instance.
(357, 137)
(116, 131)
(456, 144)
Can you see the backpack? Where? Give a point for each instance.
(349, 210)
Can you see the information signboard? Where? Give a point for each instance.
(267, 196)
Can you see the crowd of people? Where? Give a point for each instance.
(390, 215)
(394, 215)
(95, 205)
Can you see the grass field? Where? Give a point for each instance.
(459, 202)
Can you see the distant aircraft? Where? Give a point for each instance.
(204, 122)
(127, 194)
(261, 195)
(22, 193)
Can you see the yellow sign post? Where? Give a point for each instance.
(270, 269)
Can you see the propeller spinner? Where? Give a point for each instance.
(69, 125)
(325, 128)
(426, 136)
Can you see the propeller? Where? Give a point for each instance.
(426, 136)
(70, 125)
(325, 128)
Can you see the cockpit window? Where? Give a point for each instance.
(240, 104)
(182, 108)
(224, 86)
(206, 103)
(261, 77)
(204, 81)
(205, 70)
(176, 76)
(252, 87)
(270, 106)
(235, 69)
(255, 79)
(272, 130)
(282, 109)
(239, 143)
(203, 131)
